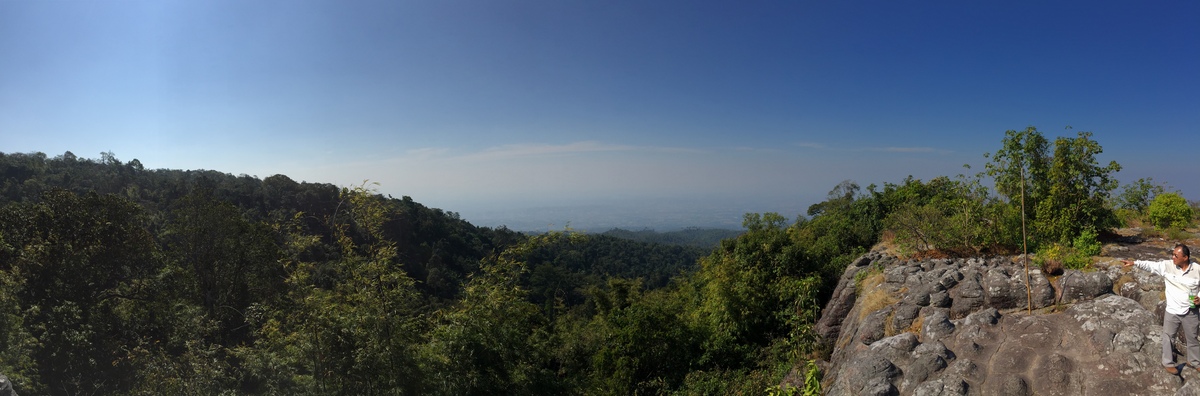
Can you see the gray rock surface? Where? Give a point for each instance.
(963, 327)
(6, 388)
(1078, 286)
(830, 323)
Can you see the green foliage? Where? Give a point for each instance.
(645, 347)
(812, 380)
(1087, 243)
(1170, 210)
(1021, 167)
(752, 290)
(811, 385)
(16, 343)
(706, 238)
(1069, 257)
(947, 215)
(838, 198)
(1078, 192)
(1179, 234)
(782, 390)
(1064, 193)
(757, 222)
(221, 261)
(565, 261)
(115, 279)
(353, 333)
(1136, 196)
(1127, 217)
(842, 228)
(489, 342)
(73, 264)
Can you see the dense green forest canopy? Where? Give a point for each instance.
(116, 279)
(692, 236)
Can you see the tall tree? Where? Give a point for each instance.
(354, 331)
(1065, 193)
(1137, 195)
(493, 340)
(229, 262)
(1079, 190)
(83, 261)
(1021, 165)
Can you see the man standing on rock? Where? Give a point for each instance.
(1182, 281)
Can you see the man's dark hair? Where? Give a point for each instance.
(1184, 249)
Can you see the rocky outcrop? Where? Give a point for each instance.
(6, 388)
(964, 327)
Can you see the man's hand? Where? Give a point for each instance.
(1126, 263)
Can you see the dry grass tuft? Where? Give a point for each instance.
(1121, 281)
(887, 243)
(916, 325)
(873, 297)
(887, 239)
(930, 255)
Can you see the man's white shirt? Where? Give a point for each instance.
(1179, 283)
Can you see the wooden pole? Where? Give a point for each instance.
(1025, 248)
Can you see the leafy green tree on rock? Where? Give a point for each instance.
(1064, 193)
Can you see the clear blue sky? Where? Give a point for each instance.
(486, 107)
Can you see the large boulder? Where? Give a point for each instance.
(1077, 285)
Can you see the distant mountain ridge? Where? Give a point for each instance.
(659, 215)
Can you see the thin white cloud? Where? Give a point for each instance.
(511, 151)
(890, 149)
(427, 152)
(904, 149)
(917, 150)
(756, 149)
(545, 150)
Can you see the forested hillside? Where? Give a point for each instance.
(115, 279)
(123, 279)
(698, 237)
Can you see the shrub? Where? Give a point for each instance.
(1070, 257)
(1170, 210)
(1136, 196)
(1177, 234)
(955, 217)
(1128, 218)
(1087, 243)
